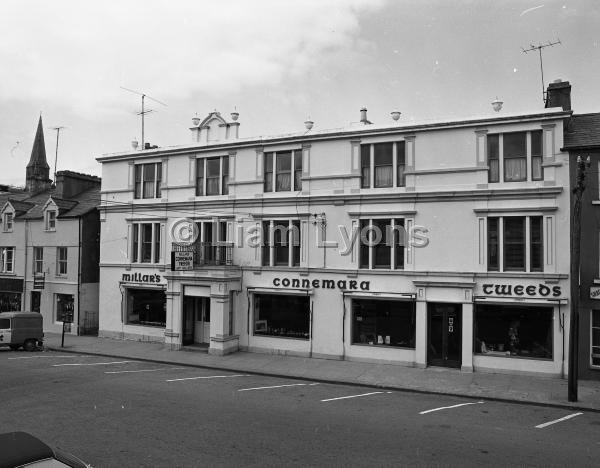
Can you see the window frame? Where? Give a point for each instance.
(50, 221)
(291, 245)
(271, 173)
(8, 219)
(370, 250)
(283, 334)
(4, 263)
(411, 309)
(139, 181)
(38, 260)
(202, 178)
(155, 243)
(496, 142)
(62, 261)
(368, 164)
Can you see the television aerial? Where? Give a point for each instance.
(143, 111)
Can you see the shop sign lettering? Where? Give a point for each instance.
(140, 278)
(521, 290)
(595, 292)
(182, 261)
(306, 283)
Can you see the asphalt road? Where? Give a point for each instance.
(112, 413)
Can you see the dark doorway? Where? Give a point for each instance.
(444, 334)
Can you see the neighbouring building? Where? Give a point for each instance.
(421, 244)
(582, 139)
(50, 245)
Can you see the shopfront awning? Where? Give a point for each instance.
(289, 292)
(541, 301)
(381, 295)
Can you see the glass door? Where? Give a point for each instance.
(444, 335)
(188, 320)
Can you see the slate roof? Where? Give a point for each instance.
(583, 131)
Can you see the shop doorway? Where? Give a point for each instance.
(196, 320)
(444, 334)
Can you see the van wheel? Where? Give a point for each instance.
(29, 345)
(14, 347)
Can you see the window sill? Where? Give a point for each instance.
(508, 356)
(260, 335)
(50, 230)
(146, 325)
(7, 273)
(366, 345)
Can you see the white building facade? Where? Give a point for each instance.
(438, 244)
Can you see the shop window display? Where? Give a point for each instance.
(514, 331)
(146, 307)
(282, 316)
(383, 323)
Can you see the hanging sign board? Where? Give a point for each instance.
(595, 292)
(182, 261)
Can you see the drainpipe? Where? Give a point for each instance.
(24, 298)
(79, 277)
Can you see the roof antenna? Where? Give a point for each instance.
(143, 111)
(539, 48)
(58, 129)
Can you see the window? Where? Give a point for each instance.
(61, 261)
(65, 306)
(382, 163)
(7, 259)
(381, 243)
(148, 180)
(4, 324)
(282, 316)
(7, 222)
(283, 171)
(38, 260)
(510, 151)
(50, 220)
(513, 248)
(36, 300)
(503, 330)
(383, 323)
(212, 176)
(595, 331)
(286, 242)
(145, 243)
(146, 307)
(10, 301)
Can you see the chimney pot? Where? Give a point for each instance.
(363, 116)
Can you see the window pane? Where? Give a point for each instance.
(382, 251)
(225, 176)
(156, 242)
(515, 169)
(138, 181)
(296, 243)
(149, 173)
(284, 161)
(536, 247)
(514, 243)
(514, 331)
(283, 169)
(383, 176)
(363, 236)
(493, 244)
(134, 247)
(365, 164)
(514, 144)
(493, 155)
(266, 248)
(146, 307)
(383, 153)
(494, 171)
(268, 172)
(212, 185)
(283, 182)
(158, 179)
(400, 161)
(536, 168)
(213, 166)
(383, 323)
(297, 170)
(400, 241)
(281, 240)
(365, 175)
(383, 164)
(283, 316)
(146, 243)
(199, 177)
(536, 143)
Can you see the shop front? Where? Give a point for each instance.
(11, 292)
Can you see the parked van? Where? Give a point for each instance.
(21, 329)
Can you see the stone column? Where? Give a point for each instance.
(467, 337)
(173, 329)
(221, 342)
(421, 335)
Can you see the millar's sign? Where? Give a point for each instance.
(521, 290)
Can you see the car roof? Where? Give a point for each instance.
(20, 448)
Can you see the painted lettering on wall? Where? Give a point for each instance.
(140, 278)
(521, 290)
(305, 283)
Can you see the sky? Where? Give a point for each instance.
(277, 63)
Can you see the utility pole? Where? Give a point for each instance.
(578, 190)
(539, 48)
(58, 129)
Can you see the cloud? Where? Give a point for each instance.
(78, 53)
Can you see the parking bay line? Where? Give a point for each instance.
(208, 377)
(450, 407)
(36, 357)
(277, 386)
(352, 396)
(549, 423)
(91, 363)
(142, 370)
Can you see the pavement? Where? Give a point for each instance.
(543, 391)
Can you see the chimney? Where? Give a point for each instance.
(559, 95)
(363, 116)
(69, 183)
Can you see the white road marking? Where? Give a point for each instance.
(276, 386)
(142, 370)
(450, 407)
(351, 396)
(35, 357)
(549, 423)
(208, 377)
(91, 363)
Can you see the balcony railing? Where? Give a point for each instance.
(207, 253)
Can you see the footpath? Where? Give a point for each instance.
(502, 387)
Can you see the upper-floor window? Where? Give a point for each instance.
(381, 163)
(381, 243)
(508, 245)
(212, 176)
(61, 261)
(7, 222)
(514, 156)
(145, 243)
(50, 220)
(281, 243)
(283, 171)
(148, 180)
(38, 260)
(7, 259)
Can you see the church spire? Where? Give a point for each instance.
(38, 171)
